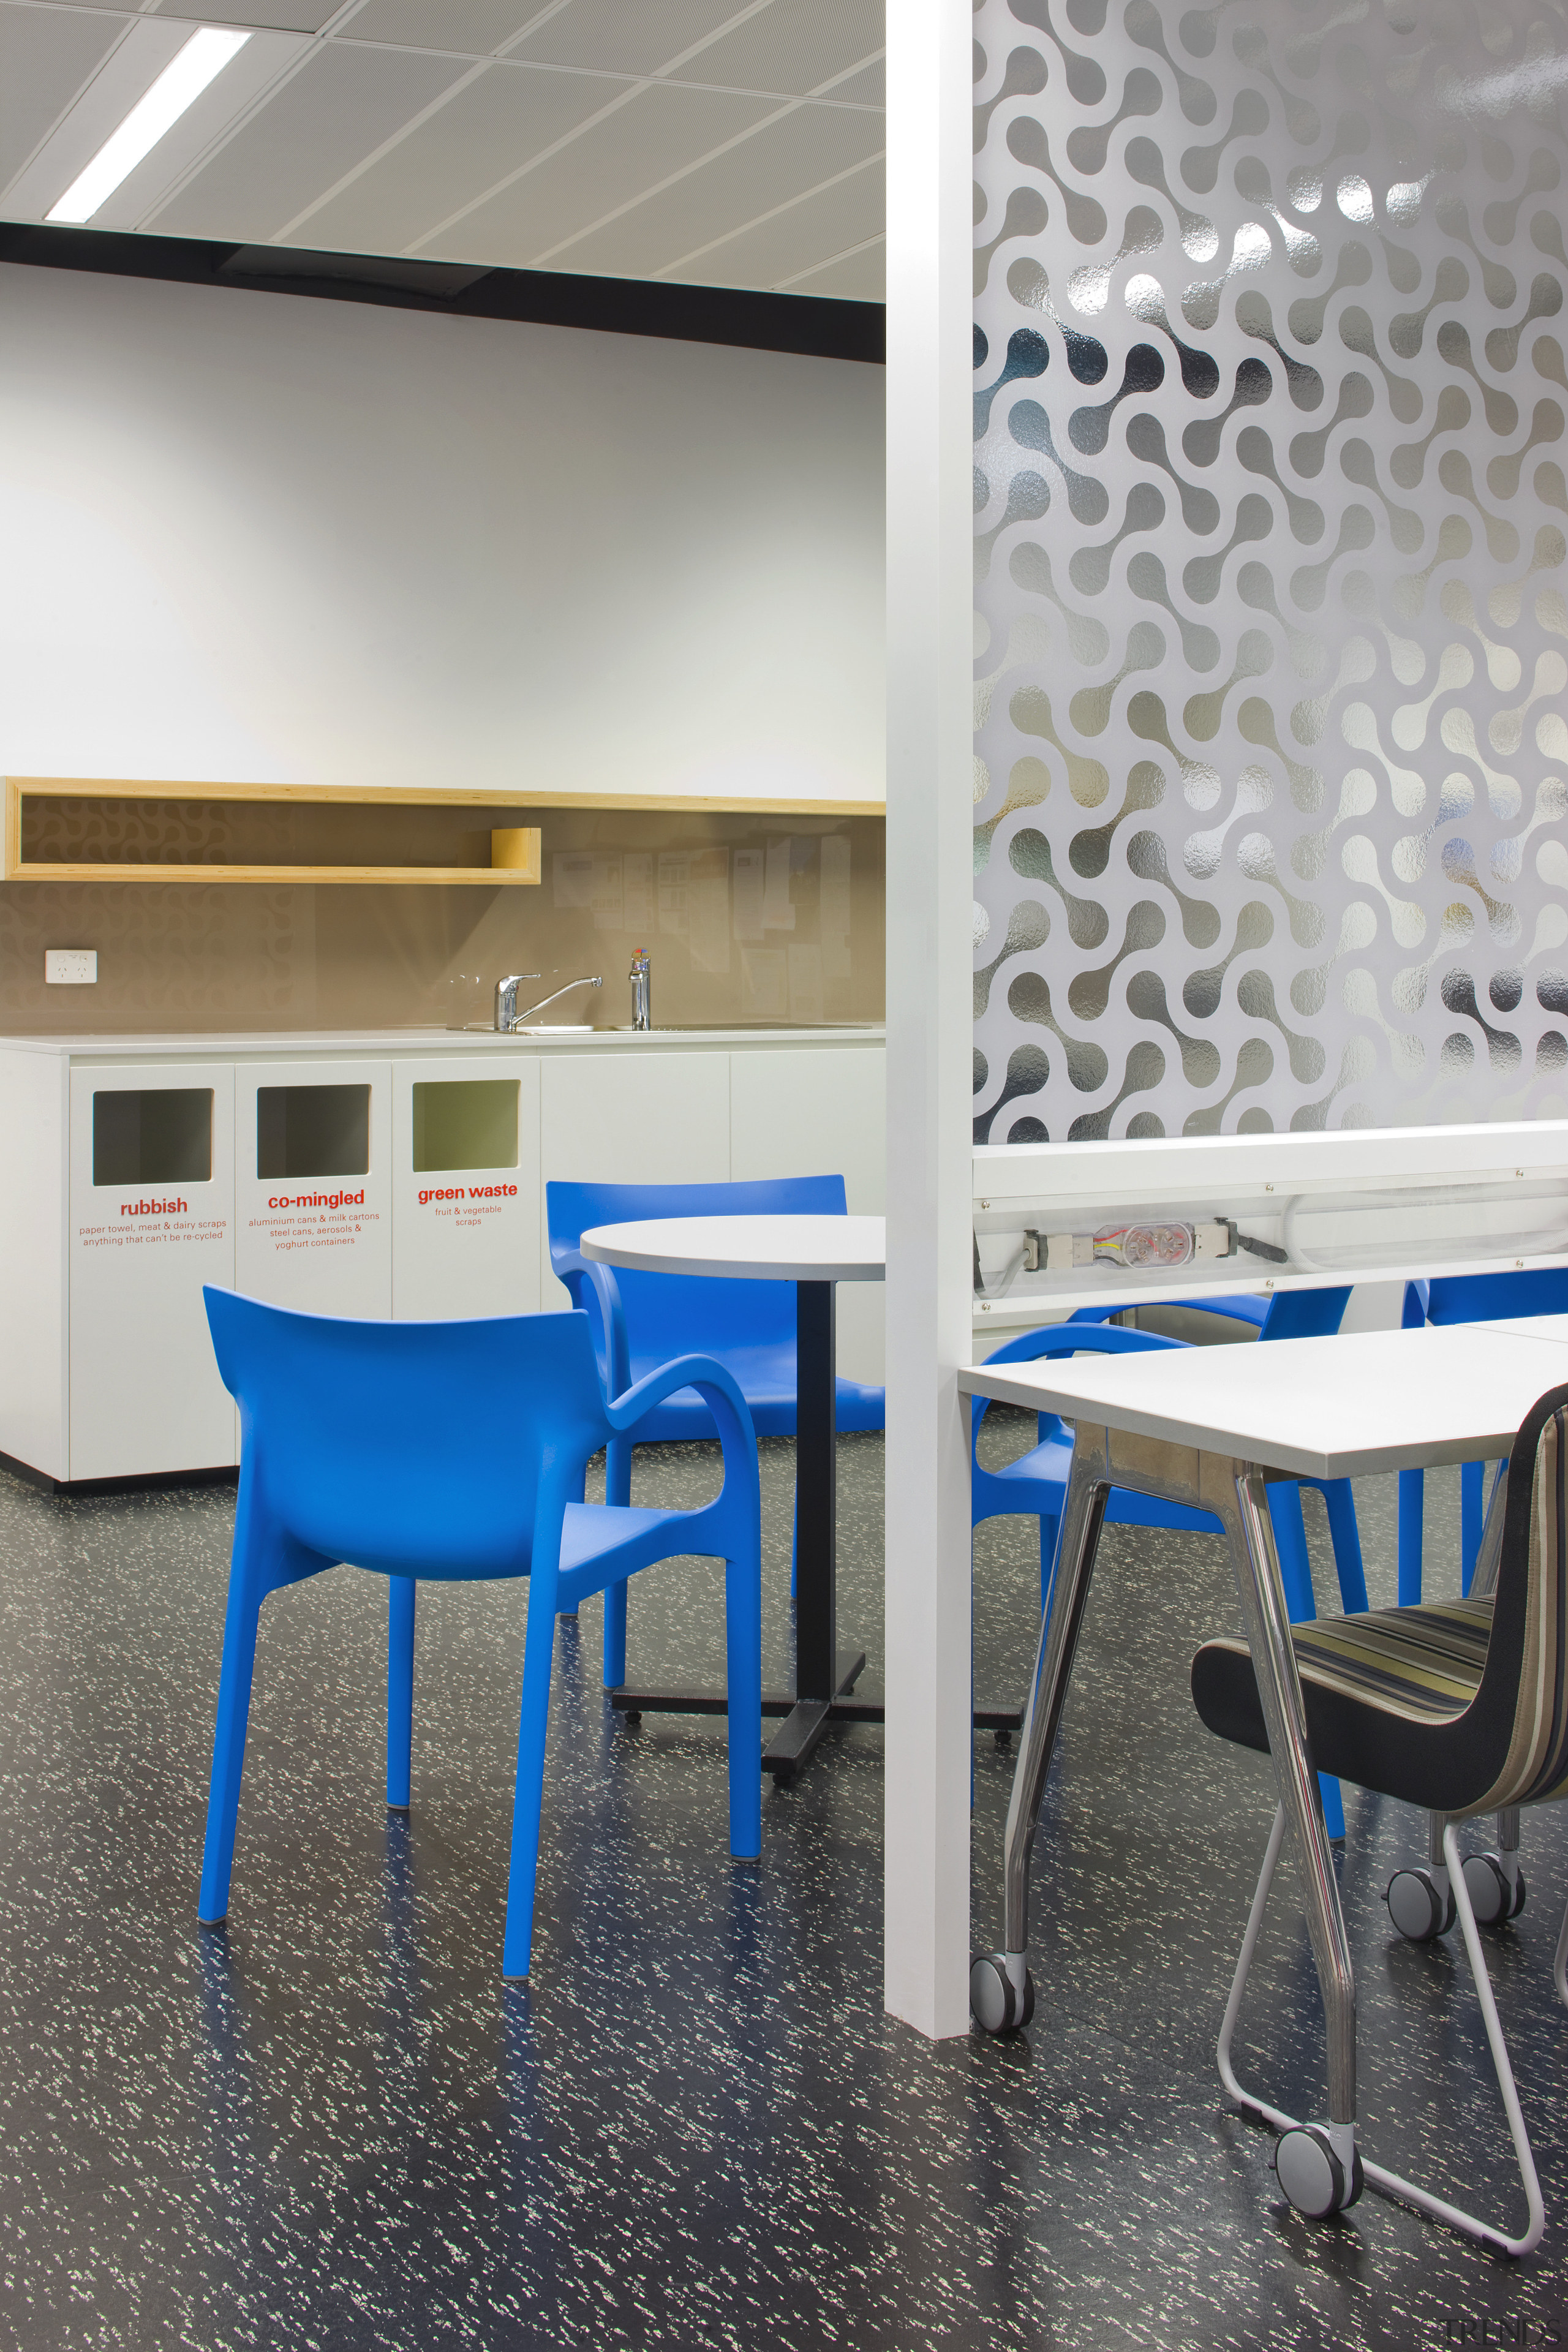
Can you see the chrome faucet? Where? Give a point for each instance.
(508, 1017)
(641, 980)
(506, 998)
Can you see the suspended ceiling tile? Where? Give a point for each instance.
(867, 89)
(792, 47)
(337, 109)
(270, 16)
(475, 27)
(480, 135)
(659, 131)
(46, 56)
(227, 99)
(856, 277)
(126, 73)
(634, 37)
(776, 165)
(361, 87)
(822, 225)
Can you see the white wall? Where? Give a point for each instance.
(256, 538)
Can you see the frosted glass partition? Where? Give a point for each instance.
(1271, 739)
(1107, 1224)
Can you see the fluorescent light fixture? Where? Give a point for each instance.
(181, 83)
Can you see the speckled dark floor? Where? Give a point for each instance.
(333, 2126)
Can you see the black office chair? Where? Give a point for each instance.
(1459, 1707)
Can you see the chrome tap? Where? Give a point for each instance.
(506, 998)
(508, 1017)
(641, 978)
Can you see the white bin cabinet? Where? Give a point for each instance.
(432, 1201)
(464, 1239)
(142, 1393)
(320, 1240)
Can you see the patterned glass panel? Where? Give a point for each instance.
(1272, 581)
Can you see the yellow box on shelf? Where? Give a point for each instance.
(514, 851)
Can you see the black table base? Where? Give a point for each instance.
(803, 1721)
(825, 1676)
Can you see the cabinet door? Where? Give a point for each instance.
(152, 1219)
(807, 1111)
(465, 1186)
(643, 1116)
(35, 1265)
(313, 1186)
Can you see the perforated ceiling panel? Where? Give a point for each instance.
(1268, 426)
(722, 143)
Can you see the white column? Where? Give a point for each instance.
(930, 563)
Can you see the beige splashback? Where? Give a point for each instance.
(731, 909)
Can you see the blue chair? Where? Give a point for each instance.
(1293, 1315)
(641, 1320)
(1464, 1299)
(366, 1442)
(1037, 1483)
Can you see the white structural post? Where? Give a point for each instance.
(930, 753)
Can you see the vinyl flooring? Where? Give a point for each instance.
(330, 2125)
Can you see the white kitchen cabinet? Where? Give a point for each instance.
(318, 1172)
(639, 1117)
(313, 1186)
(465, 1188)
(151, 1220)
(35, 1200)
(820, 1112)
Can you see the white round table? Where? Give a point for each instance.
(752, 1249)
(815, 1254)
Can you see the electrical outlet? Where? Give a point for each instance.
(70, 967)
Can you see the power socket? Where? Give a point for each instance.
(70, 967)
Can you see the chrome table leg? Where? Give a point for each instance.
(1001, 1993)
(1245, 1512)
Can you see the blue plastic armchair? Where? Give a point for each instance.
(641, 1320)
(1036, 1484)
(1464, 1299)
(362, 1441)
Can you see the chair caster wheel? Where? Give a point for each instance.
(1004, 1739)
(1492, 1899)
(632, 1717)
(1311, 2176)
(993, 1998)
(1419, 1908)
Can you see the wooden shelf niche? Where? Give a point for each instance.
(95, 829)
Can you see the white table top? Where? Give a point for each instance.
(1532, 1327)
(1333, 1407)
(766, 1249)
(750, 1247)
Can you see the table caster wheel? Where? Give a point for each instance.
(1004, 1739)
(1492, 1899)
(1419, 1908)
(995, 1998)
(632, 1717)
(1310, 2174)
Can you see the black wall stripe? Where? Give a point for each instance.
(809, 324)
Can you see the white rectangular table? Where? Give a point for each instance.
(1210, 1427)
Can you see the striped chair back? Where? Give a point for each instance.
(1518, 1718)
